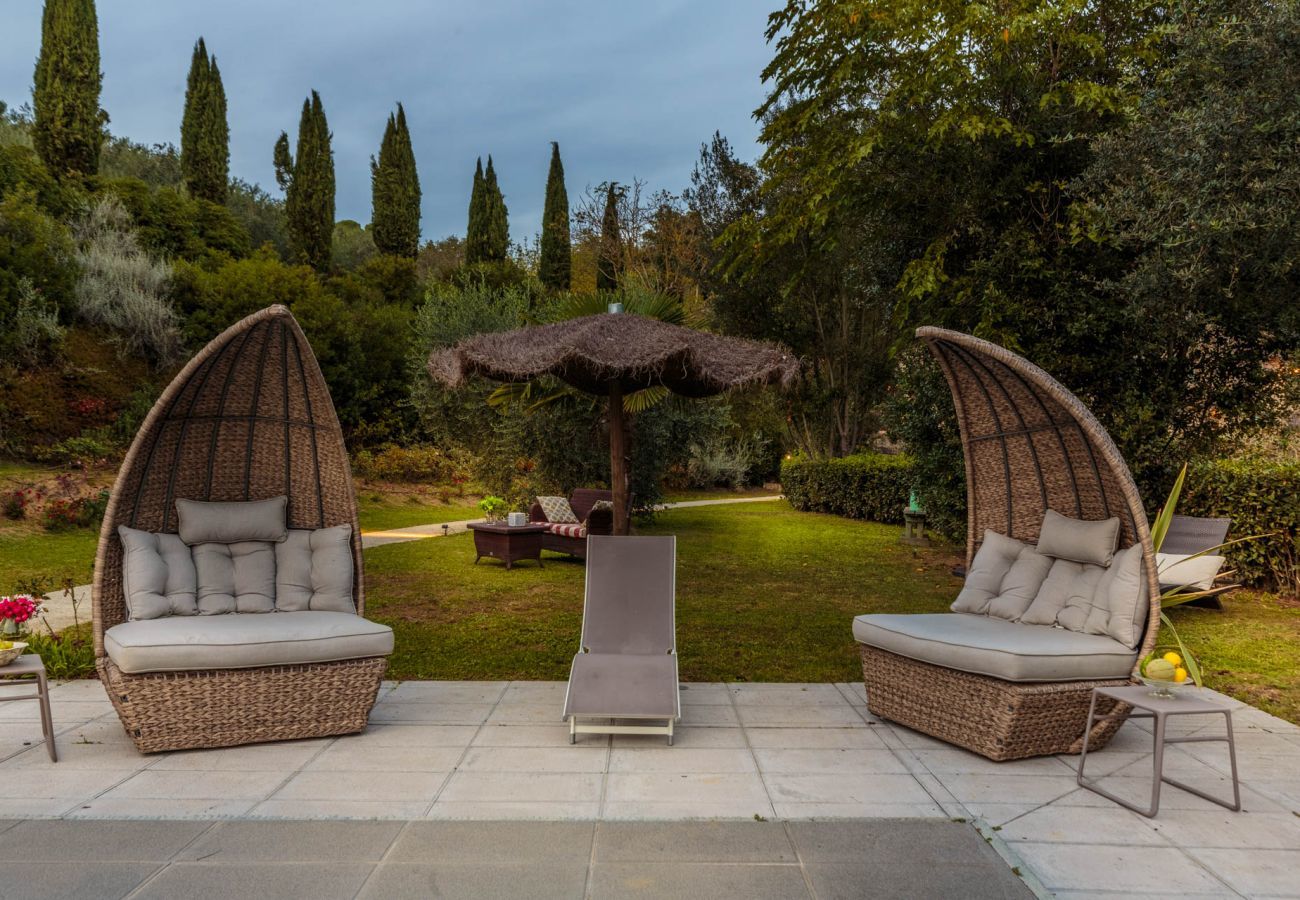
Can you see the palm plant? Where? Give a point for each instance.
(1186, 593)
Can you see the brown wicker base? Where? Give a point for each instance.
(226, 707)
(998, 719)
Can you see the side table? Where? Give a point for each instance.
(27, 670)
(1141, 698)
(508, 543)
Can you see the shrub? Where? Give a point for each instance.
(720, 463)
(14, 504)
(68, 654)
(1261, 497)
(65, 514)
(872, 486)
(29, 327)
(121, 287)
(413, 464)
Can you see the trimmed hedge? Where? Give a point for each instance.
(1260, 497)
(872, 486)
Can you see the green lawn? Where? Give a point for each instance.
(28, 552)
(765, 593)
(380, 512)
(717, 494)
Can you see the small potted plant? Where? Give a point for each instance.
(493, 507)
(15, 613)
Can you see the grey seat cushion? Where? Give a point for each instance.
(313, 570)
(235, 578)
(178, 644)
(623, 685)
(996, 647)
(158, 577)
(203, 522)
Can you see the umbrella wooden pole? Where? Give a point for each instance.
(618, 457)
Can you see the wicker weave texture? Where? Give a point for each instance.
(1030, 445)
(250, 417)
(998, 719)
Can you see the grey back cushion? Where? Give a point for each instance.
(1066, 595)
(1089, 542)
(313, 571)
(235, 577)
(1003, 579)
(202, 522)
(1127, 599)
(158, 577)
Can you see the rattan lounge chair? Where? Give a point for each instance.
(626, 666)
(1029, 446)
(249, 418)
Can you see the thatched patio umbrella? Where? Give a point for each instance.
(613, 354)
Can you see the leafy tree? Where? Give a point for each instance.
(555, 268)
(69, 125)
(308, 181)
(476, 238)
(205, 133)
(1195, 199)
(608, 262)
(395, 189)
(497, 222)
(353, 245)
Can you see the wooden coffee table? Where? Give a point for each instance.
(508, 543)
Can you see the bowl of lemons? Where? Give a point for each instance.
(1166, 673)
(10, 650)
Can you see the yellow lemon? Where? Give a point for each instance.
(1173, 658)
(6, 645)
(1159, 670)
(1180, 674)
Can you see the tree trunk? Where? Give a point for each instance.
(618, 458)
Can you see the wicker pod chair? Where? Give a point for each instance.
(1029, 445)
(249, 418)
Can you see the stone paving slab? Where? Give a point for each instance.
(323, 860)
(444, 754)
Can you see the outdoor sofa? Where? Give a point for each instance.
(228, 600)
(593, 513)
(1061, 591)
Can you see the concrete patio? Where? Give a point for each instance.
(783, 753)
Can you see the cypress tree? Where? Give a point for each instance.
(69, 125)
(395, 191)
(555, 267)
(497, 228)
(205, 133)
(475, 236)
(608, 258)
(308, 180)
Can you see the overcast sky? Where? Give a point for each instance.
(628, 88)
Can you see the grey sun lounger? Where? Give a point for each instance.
(626, 667)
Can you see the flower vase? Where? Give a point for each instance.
(9, 628)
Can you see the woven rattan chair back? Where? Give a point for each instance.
(250, 417)
(1031, 445)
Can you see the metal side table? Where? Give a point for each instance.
(27, 670)
(1159, 708)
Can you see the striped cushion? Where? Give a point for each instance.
(571, 531)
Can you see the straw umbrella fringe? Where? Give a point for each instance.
(614, 354)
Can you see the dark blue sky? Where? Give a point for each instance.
(629, 89)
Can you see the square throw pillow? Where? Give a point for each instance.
(557, 510)
(1003, 578)
(1089, 542)
(1067, 583)
(1182, 570)
(157, 575)
(202, 522)
(238, 577)
(313, 570)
